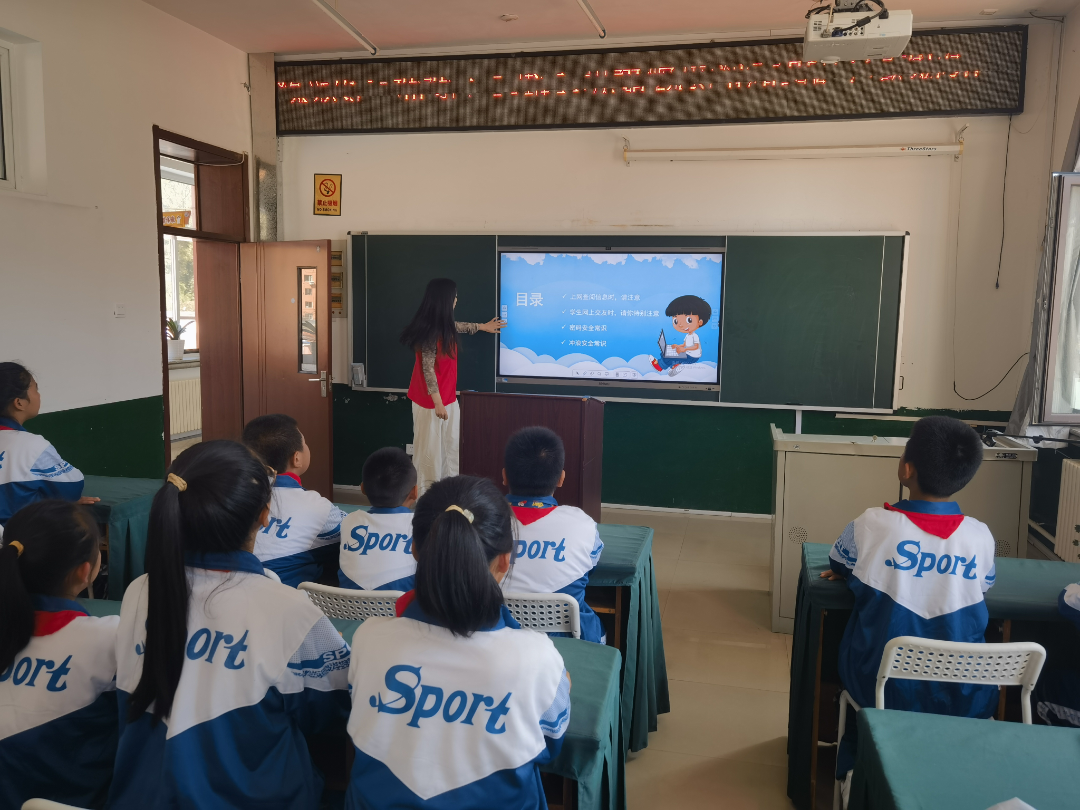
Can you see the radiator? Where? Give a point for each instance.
(185, 406)
(1067, 541)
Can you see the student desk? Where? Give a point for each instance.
(592, 755)
(1024, 590)
(910, 761)
(623, 584)
(124, 510)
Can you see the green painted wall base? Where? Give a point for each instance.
(124, 439)
(675, 456)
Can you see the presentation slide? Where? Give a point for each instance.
(616, 317)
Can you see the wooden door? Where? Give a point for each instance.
(217, 312)
(285, 308)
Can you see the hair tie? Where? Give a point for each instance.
(177, 481)
(468, 515)
(15, 544)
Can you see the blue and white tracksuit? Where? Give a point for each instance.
(557, 549)
(443, 721)
(917, 568)
(262, 668)
(58, 726)
(31, 470)
(376, 550)
(300, 544)
(1057, 694)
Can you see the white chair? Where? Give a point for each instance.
(346, 603)
(45, 804)
(545, 612)
(911, 658)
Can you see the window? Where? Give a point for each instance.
(1061, 398)
(177, 193)
(309, 347)
(180, 286)
(7, 143)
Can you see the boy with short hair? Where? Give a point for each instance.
(917, 568)
(300, 543)
(557, 546)
(376, 546)
(688, 314)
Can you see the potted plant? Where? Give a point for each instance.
(174, 333)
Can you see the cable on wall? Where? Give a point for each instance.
(1004, 184)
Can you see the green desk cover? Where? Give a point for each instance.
(1024, 590)
(593, 752)
(912, 761)
(125, 508)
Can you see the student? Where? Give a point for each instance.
(557, 546)
(688, 313)
(30, 468)
(221, 669)
(58, 726)
(376, 546)
(454, 705)
(917, 568)
(1057, 694)
(432, 336)
(299, 544)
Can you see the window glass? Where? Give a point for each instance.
(309, 350)
(180, 286)
(178, 193)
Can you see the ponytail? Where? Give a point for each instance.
(43, 543)
(213, 497)
(454, 551)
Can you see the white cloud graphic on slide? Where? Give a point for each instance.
(524, 362)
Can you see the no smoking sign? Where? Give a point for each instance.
(327, 195)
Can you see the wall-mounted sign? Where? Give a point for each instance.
(327, 195)
(175, 219)
(944, 72)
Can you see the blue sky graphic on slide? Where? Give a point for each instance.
(598, 315)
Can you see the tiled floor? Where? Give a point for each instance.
(723, 743)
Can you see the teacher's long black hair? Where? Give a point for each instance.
(433, 323)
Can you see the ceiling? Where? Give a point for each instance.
(300, 27)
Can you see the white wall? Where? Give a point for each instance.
(112, 69)
(574, 181)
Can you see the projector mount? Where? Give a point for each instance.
(851, 6)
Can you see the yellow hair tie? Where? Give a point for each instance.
(15, 544)
(177, 481)
(468, 515)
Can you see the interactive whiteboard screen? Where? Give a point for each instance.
(611, 318)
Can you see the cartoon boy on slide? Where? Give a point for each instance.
(688, 313)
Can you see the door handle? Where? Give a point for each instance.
(320, 379)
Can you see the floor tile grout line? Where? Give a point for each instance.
(728, 759)
(784, 691)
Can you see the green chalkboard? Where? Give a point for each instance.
(396, 271)
(811, 320)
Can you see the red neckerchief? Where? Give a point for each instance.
(5, 427)
(46, 623)
(938, 525)
(293, 476)
(531, 514)
(403, 602)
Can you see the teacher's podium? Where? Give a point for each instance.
(488, 420)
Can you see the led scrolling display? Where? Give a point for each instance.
(942, 72)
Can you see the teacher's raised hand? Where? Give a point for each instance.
(494, 325)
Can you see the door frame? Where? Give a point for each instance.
(172, 144)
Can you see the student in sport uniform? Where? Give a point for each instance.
(300, 542)
(30, 468)
(376, 546)
(221, 669)
(455, 706)
(58, 725)
(1057, 694)
(557, 546)
(917, 568)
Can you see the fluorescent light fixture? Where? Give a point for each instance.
(599, 26)
(333, 14)
(954, 150)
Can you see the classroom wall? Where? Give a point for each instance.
(111, 69)
(959, 325)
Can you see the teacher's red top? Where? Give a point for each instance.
(445, 374)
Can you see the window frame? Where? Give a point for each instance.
(7, 128)
(1062, 184)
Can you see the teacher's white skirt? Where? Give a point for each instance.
(435, 444)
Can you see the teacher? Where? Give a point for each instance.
(432, 335)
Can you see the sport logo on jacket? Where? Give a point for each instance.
(928, 562)
(431, 700)
(25, 671)
(367, 540)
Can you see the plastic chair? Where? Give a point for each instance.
(912, 658)
(45, 804)
(346, 603)
(545, 612)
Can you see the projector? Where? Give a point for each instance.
(877, 39)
